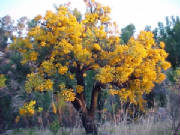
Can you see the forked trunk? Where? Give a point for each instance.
(89, 124)
(88, 117)
(86, 114)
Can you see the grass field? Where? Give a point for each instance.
(141, 127)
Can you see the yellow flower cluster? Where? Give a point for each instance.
(29, 45)
(38, 17)
(136, 50)
(28, 109)
(95, 66)
(33, 56)
(34, 31)
(54, 109)
(105, 74)
(33, 81)
(68, 94)
(62, 86)
(71, 76)
(17, 119)
(40, 109)
(48, 67)
(79, 89)
(124, 94)
(96, 47)
(147, 39)
(122, 74)
(90, 18)
(36, 82)
(160, 78)
(142, 59)
(104, 19)
(2, 81)
(43, 44)
(100, 14)
(84, 74)
(62, 70)
(45, 86)
(22, 50)
(162, 45)
(165, 65)
(100, 32)
(48, 84)
(113, 92)
(82, 55)
(113, 40)
(106, 9)
(65, 46)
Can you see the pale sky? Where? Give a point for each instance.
(124, 12)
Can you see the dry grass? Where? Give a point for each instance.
(141, 127)
(145, 127)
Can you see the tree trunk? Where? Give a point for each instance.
(87, 118)
(89, 124)
(88, 115)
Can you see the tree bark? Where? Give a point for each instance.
(89, 124)
(88, 119)
(80, 81)
(88, 115)
(94, 97)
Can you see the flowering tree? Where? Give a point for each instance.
(61, 50)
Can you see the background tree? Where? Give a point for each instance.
(147, 28)
(127, 33)
(62, 51)
(169, 33)
(6, 31)
(173, 87)
(12, 70)
(77, 14)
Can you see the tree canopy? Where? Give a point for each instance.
(61, 50)
(127, 32)
(169, 33)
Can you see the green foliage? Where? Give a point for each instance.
(127, 33)
(54, 126)
(89, 81)
(13, 69)
(43, 99)
(77, 14)
(61, 103)
(19, 70)
(6, 113)
(169, 33)
(174, 75)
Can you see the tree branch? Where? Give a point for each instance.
(80, 81)
(94, 96)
